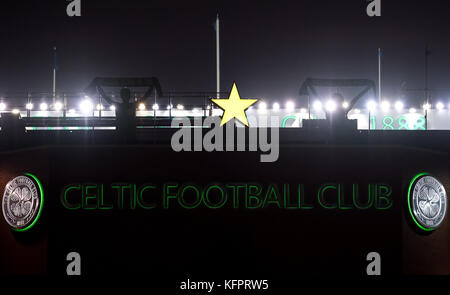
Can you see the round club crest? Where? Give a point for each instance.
(22, 202)
(427, 201)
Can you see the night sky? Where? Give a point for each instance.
(268, 47)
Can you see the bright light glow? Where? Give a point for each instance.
(100, 107)
(15, 111)
(290, 106)
(171, 107)
(155, 106)
(426, 106)
(112, 108)
(86, 106)
(72, 111)
(303, 110)
(141, 106)
(275, 107)
(371, 105)
(385, 106)
(180, 107)
(29, 106)
(345, 105)
(357, 111)
(58, 106)
(399, 106)
(262, 107)
(440, 106)
(412, 110)
(43, 106)
(317, 105)
(330, 106)
(2, 106)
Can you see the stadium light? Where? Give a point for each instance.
(385, 106)
(29, 106)
(141, 106)
(43, 106)
(290, 106)
(169, 107)
(371, 105)
(100, 107)
(440, 106)
(317, 105)
(180, 107)
(58, 106)
(330, 106)
(262, 105)
(155, 107)
(86, 106)
(399, 106)
(357, 111)
(15, 111)
(303, 111)
(112, 108)
(412, 110)
(426, 106)
(276, 107)
(345, 105)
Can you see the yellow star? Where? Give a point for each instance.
(234, 106)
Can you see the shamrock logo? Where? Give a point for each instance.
(429, 202)
(21, 201)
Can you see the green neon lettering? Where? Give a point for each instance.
(272, 196)
(302, 197)
(101, 202)
(387, 123)
(183, 202)
(120, 187)
(168, 195)
(341, 199)
(419, 124)
(140, 198)
(287, 198)
(285, 119)
(356, 197)
(373, 122)
(64, 200)
(89, 196)
(320, 196)
(223, 198)
(403, 123)
(383, 193)
(254, 190)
